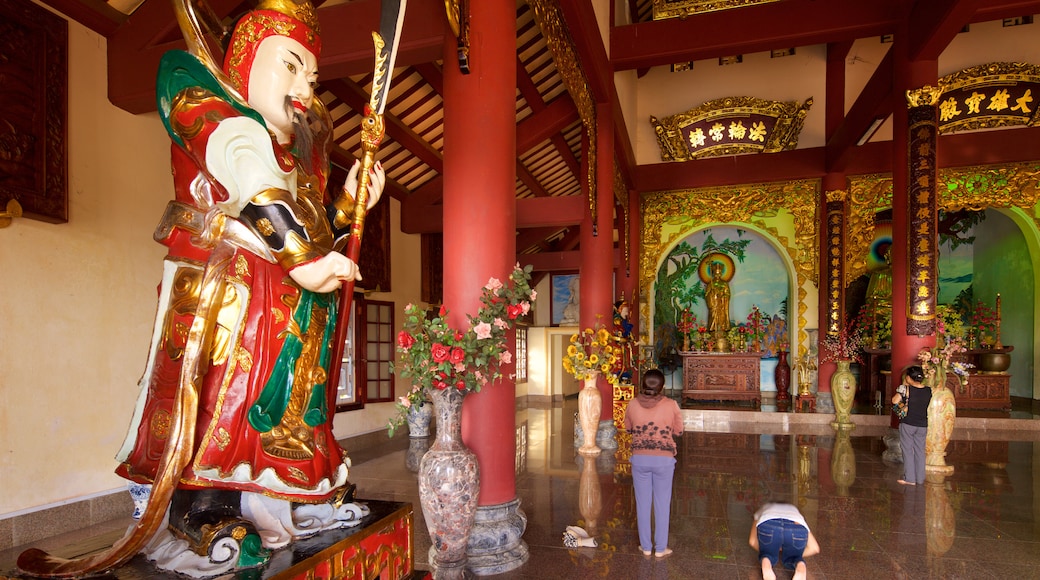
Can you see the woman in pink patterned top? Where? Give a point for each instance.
(654, 422)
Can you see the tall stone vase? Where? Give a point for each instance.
(942, 413)
(843, 391)
(449, 485)
(589, 403)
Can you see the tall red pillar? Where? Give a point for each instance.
(480, 243)
(597, 259)
(908, 75)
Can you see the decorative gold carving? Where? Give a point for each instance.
(1014, 185)
(565, 57)
(868, 194)
(671, 215)
(998, 94)
(731, 126)
(926, 96)
(664, 9)
(265, 226)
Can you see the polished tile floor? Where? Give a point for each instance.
(979, 522)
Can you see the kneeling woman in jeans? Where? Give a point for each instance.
(779, 532)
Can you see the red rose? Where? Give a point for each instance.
(405, 340)
(441, 385)
(443, 311)
(514, 310)
(458, 335)
(457, 355)
(439, 352)
(460, 385)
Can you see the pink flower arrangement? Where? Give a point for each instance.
(435, 356)
(846, 344)
(937, 363)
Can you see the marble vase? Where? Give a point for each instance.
(843, 391)
(942, 412)
(449, 484)
(419, 418)
(589, 403)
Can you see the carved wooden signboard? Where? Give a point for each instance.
(33, 110)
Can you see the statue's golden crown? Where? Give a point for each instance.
(301, 10)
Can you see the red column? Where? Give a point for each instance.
(480, 217)
(831, 278)
(908, 75)
(597, 252)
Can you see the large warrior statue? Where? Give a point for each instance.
(233, 426)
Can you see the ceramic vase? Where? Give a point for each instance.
(589, 403)
(449, 484)
(942, 412)
(843, 391)
(782, 376)
(419, 418)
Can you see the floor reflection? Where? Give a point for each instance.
(979, 522)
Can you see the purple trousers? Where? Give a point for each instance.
(652, 479)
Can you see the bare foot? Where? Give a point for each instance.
(799, 571)
(767, 570)
(904, 482)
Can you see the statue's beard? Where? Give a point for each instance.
(308, 127)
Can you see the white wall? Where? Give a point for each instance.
(77, 299)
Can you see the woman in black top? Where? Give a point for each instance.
(913, 429)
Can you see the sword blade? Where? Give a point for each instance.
(391, 20)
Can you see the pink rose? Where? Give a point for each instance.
(405, 340)
(525, 307)
(534, 295)
(439, 352)
(483, 330)
(493, 284)
(506, 357)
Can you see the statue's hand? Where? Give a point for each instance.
(326, 273)
(376, 181)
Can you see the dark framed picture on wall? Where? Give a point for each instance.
(565, 296)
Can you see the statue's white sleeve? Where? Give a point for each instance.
(241, 157)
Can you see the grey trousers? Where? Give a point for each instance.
(911, 440)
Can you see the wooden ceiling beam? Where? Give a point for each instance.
(553, 261)
(763, 27)
(935, 23)
(355, 97)
(535, 238)
(875, 101)
(543, 124)
(96, 15)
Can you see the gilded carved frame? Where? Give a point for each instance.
(681, 8)
(744, 203)
(1015, 185)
